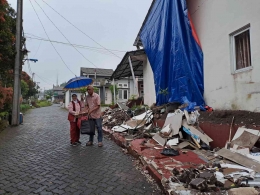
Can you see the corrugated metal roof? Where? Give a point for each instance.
(123, 70)
(99, 71)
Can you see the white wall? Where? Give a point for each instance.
(149, 88)
(130, 88)
(214, 20)
(68, 97)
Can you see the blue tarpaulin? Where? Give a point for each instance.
(174, 53)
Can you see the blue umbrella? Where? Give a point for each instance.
(78, 82)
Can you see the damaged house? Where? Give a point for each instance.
(186, 155)
(228, 31)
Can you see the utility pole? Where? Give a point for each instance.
(33, 76)
(18, 65)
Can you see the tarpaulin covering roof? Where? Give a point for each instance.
(174, 52)
(123, 70)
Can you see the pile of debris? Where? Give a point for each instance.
(235, 166)
(216, 177)
(114, 117)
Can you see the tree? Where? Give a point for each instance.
(63, 84)
(96, 90)
(7, 53)
(7, 42)
(48, 92)
(83, 90)
(24, 88)
(32, 88)
(6, 95)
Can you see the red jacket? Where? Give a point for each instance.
(71, 117)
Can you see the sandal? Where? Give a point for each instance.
(100, 144)
(89, 144)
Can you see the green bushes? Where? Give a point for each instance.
(36, 104)
(43, 103)
(24, 107)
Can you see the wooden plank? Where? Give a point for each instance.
(195, 131)
(240, 159)
(210, 140)
(195, 141)
(246, 140)
(240, 130)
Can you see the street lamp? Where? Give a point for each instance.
(33, 60)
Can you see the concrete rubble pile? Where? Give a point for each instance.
(120, 120)
(235, 166)
(114, 117)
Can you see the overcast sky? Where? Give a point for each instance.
(112, 23)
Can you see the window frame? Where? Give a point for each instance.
(121, 92)
(232, 36)
(96, 84)
(122, 85)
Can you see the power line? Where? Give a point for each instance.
(37, 49)
(80, 30)
(98, 48)
(65, 36)
(78, 46)
(46, 79)
(42, 79)
(29, 68)
(49, 39)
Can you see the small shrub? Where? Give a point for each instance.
(24, 107)
(44, 103)
(105, 105)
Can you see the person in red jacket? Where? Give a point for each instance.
(74, 107)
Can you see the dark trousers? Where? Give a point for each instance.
(98, 124)
(74, 132)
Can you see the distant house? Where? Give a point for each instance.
(142, 72)
(58, 94)
(101, 80)
(133, 73)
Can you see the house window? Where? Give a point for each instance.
(240, 49)
(106, 97)
(123, 94)
(96, 84)
(122, 85)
